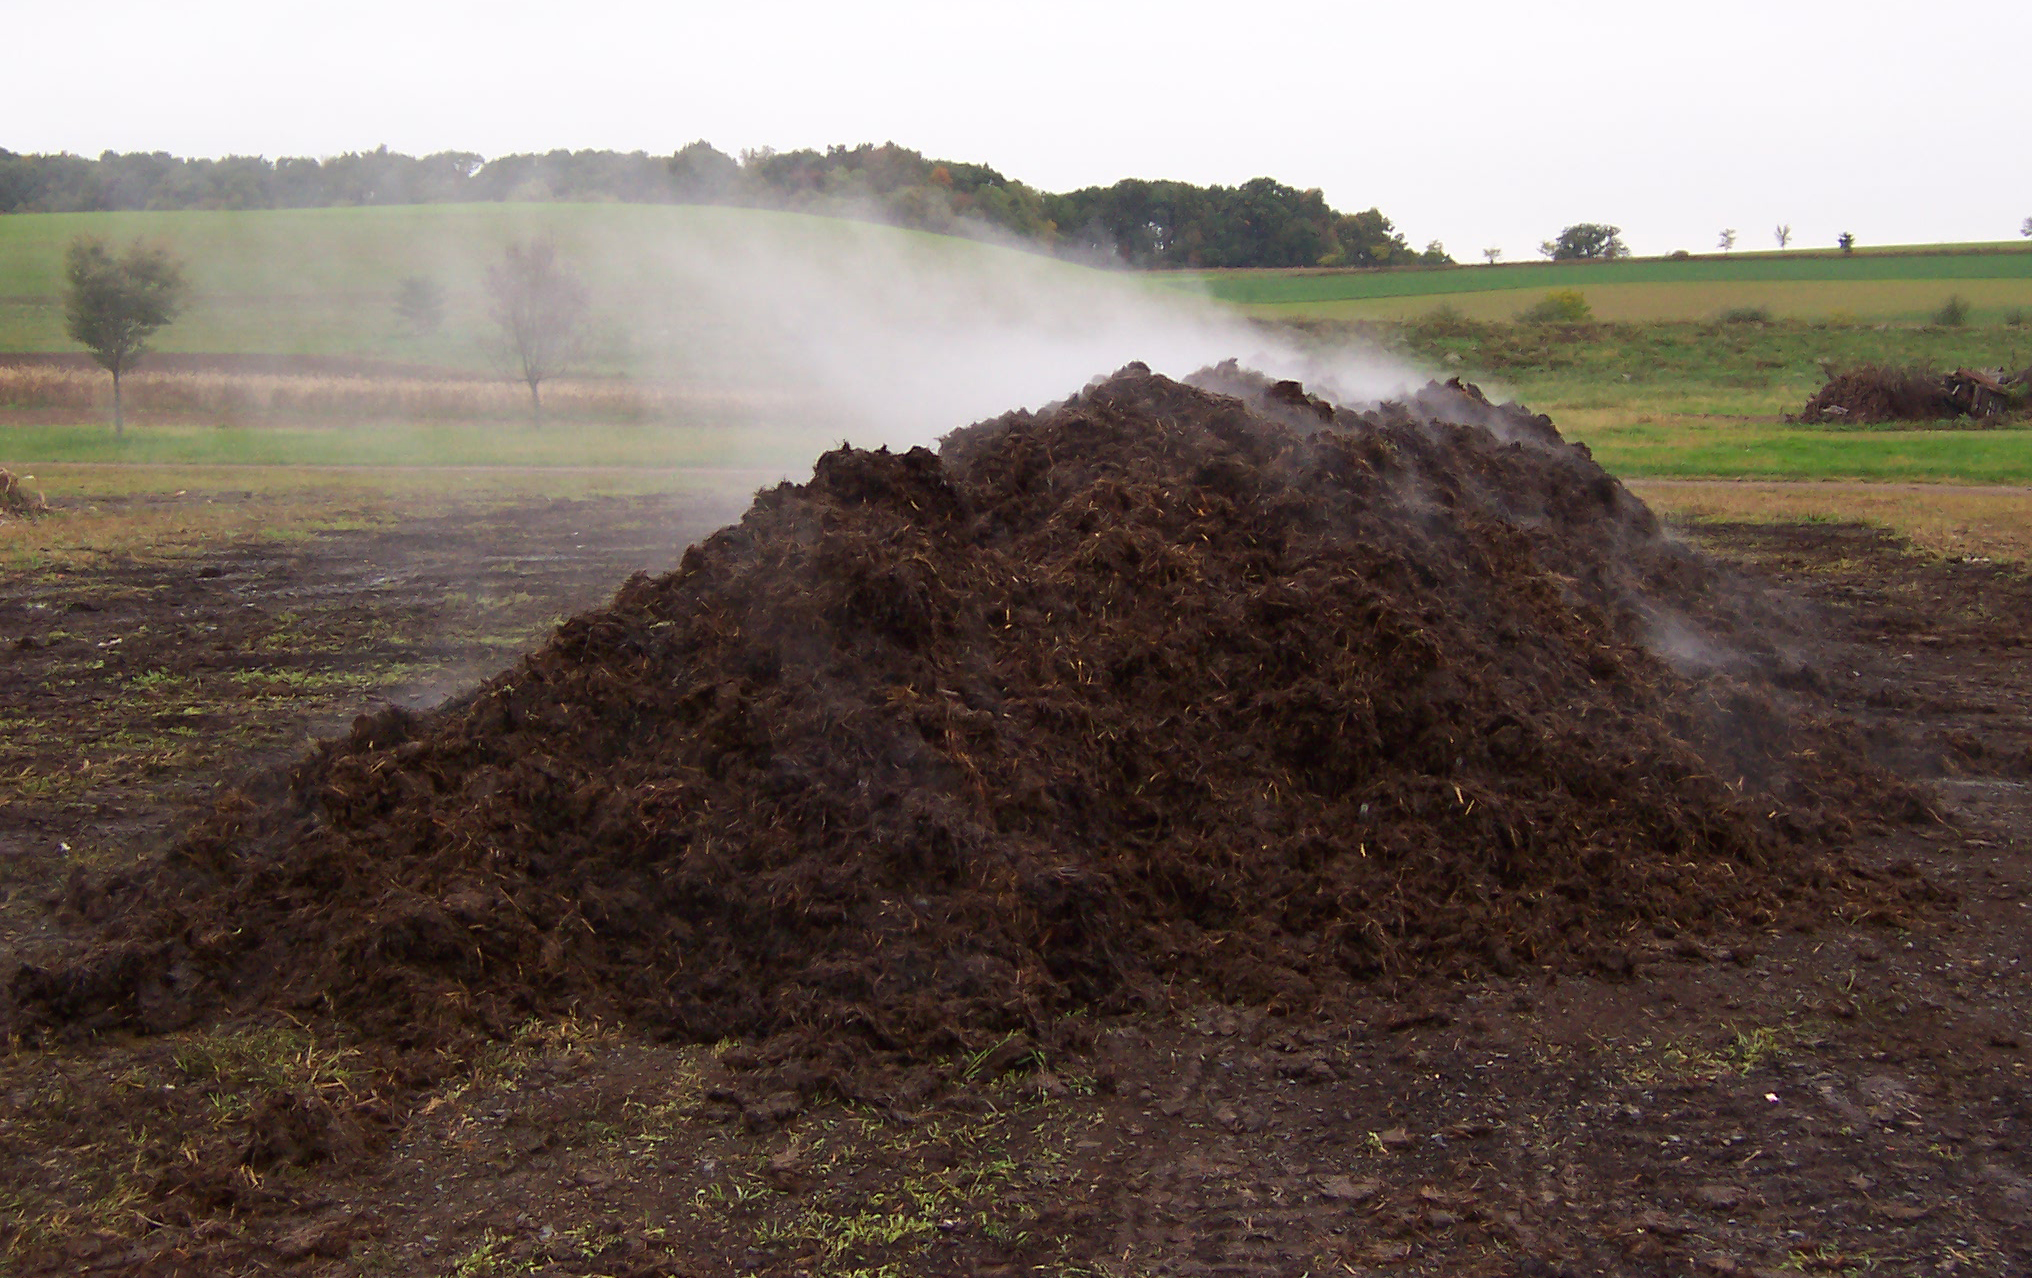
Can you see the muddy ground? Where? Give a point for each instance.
(1843, 1100)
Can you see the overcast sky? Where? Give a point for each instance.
(1474, 122)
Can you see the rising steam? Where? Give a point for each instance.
(905, 337)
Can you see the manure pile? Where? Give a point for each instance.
(1872, 394)
(1168, 691)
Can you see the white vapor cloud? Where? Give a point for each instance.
(909, 336)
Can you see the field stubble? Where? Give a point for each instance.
(1981, 524)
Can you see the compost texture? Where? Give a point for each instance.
(1167, 691)
(1873, 394)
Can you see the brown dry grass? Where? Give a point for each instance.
(242, 398)
(1992, 523)
(72, 538)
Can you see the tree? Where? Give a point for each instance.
(1783, 234)
(419, 301)
(1728, 240)
(1846, 241)
(541, 307)
(2025, 228)
(1493, 254)
(114, 304)
(1368, 239)
(1586, 240)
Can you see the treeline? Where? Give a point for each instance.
(1261, 223)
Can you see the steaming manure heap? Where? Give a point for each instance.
(1170, 691)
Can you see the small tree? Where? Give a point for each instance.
(419, 303)
(541, 307)
(1493, 254)
(2025, 227)
(1783, 234)
(1846, 241)
(1586, 240)
(114, 304)
(1728, 240)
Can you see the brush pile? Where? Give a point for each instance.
(1875, 393)
(1168, 691)
(16, 500)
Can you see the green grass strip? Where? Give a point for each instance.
(1264, 288)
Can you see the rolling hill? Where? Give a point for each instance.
(323, 281)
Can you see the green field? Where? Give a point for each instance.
(1753, 370)
(1905, 284)
(1684, 399)
(767, 451)
(1661, 398)
(324, 281)
(1666, 446)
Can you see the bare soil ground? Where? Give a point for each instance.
(1834, 1099)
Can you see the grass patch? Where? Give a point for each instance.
(1744, 1052)
(237, 398)
(1867, 283)
(268, 1058)
(1863, 302)
(1950, 522)
(1688, 368)
(1659, 448)
(408, 445)
(1706, 399)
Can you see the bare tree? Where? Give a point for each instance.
(1493, 254)
(113, 305)
(1783, 234)
(541, 307)
(1728, 240)
(2026, 227)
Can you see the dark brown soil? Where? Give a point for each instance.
(133, 690)
(1742, 1093)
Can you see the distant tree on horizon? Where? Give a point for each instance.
(1585, 241)
(2026, 227)
(1783, 234)
(1138, 222)
(1493, 254)
(1728, 240)
(114, 303)
(540, 305)
(1846, 241)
